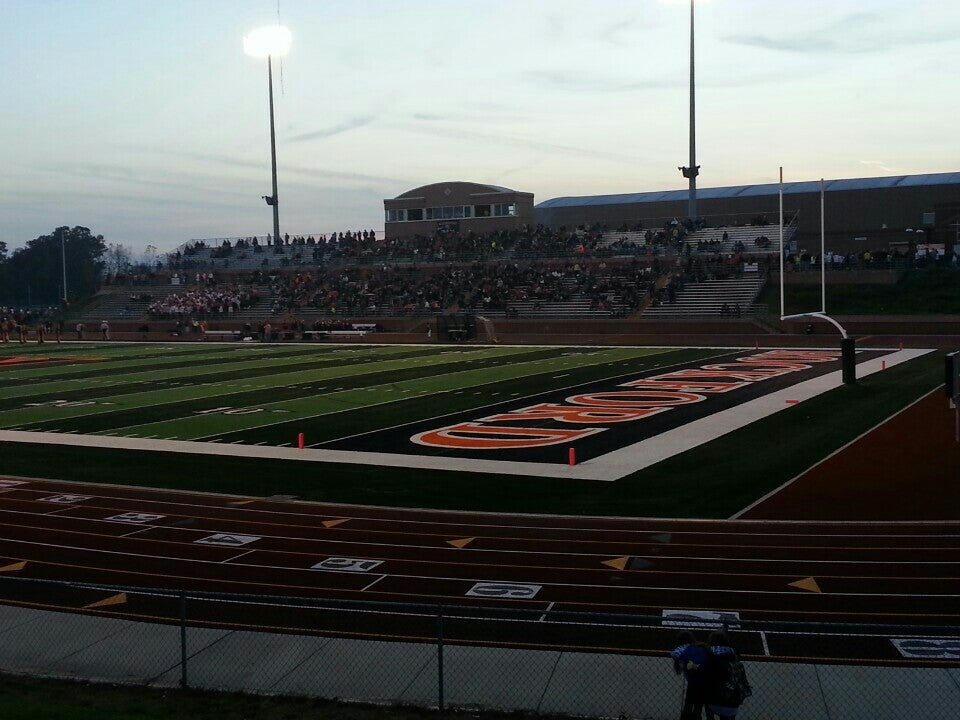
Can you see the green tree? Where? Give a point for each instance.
(34, 273)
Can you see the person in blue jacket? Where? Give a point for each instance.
(692, 660)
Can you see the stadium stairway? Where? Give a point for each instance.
(707, 298)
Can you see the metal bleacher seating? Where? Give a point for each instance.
(708, 298)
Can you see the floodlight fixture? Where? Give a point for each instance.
(268, 41)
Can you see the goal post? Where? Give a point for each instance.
(848, 348)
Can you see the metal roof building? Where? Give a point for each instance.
(858, 210)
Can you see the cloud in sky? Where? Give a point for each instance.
(345, 126)
(163, 135)
(854, 34)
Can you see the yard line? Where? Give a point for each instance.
(260, 443)
(284, 445)
(149, 437)
(215, 440)
(560, 376)
(237, 442)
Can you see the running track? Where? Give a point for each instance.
(869, 573)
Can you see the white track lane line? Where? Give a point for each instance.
(650, 588)
(748, 558)
(336, 510)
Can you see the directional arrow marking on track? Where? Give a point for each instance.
(14, 567)
(808, 584)
(119, 599)
(461, 543)
(230, 540)
(334, 523)
(619, 563)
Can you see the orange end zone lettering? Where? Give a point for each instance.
(563, 413)
(636, 399)
(471, 436)
(699, 386)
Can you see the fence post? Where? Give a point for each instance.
(440, 657)
(183, 639)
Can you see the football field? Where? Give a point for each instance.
(414, 415)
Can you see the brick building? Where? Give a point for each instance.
(460, 206)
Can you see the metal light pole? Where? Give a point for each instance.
(274, 200)
(692, 170)
(268, 42)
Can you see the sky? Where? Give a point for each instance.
(145, 121)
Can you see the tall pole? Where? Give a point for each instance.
(782, 313)
(63, 261)
(694, 170)
(273, 157)
(823, 252)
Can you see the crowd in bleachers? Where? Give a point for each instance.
(478, 286)
(204, 301)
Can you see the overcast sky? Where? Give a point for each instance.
(144, 121)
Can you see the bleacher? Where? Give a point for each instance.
(708, 298)
(697, 241)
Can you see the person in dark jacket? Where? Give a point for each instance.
(692, 659)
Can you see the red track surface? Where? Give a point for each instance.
(904, 573)
(906, 469)
(764, 569)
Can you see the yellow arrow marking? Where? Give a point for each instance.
(242, 502)
(461, 543)
(807, 584)
(119, 599)
(334, 523)
(14, 567)
(619, 563)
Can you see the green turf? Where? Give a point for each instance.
(713, 480)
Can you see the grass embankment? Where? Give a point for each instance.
(711, 481)
(31, 699)
(931, 291)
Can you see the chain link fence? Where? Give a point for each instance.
(465, 657)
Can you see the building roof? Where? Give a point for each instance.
(417, 192)
(810, 186)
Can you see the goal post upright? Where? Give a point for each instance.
(847, 344)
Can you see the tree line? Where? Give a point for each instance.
(32, 276)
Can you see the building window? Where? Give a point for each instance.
(396, 215)
(415, 214)
(481, 211)
(505, 210)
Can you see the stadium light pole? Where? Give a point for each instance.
(267, 42)
(692, 170)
